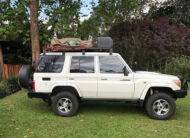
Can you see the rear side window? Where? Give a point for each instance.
(51, 64)
(81, 64)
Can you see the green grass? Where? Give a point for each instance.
(24, 117)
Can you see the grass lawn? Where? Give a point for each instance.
(24, 117)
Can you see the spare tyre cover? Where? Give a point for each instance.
(26, 76)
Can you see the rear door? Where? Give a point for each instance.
(82, 74)
(49, 72)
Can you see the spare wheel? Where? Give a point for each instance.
(26, 76)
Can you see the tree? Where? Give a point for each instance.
(34, 5)
(150, 43)
(108, 13)
(178, 12)
(61, 17)
(14, 21)
(64, 17)
(15, 25)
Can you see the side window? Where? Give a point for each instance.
(50, 64)
(82, 64)
(110, 64)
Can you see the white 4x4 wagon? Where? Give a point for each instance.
(66, 78)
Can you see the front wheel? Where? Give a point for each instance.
(160, 106)
(65, 104)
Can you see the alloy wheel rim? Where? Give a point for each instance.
(161, 107)
(64, 105)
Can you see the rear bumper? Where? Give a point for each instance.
(32, 94)
(184, 88)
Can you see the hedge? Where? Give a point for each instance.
(9, 86)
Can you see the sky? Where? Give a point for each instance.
(86, 10)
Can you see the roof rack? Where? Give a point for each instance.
(79, 49)
(103, 44)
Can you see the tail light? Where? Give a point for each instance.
(33, 85)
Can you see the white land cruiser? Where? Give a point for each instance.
(66, 78)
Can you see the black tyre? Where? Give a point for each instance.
(25, 76)
(160, 106)
(65, 104)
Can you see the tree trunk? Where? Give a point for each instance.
(60, 29)
(34, 5)
(2, 71)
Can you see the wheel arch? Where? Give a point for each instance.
(71, 89)
(160, 86)
(154, 89)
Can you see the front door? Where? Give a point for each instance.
(111, 80)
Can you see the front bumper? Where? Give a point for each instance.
(183, 91)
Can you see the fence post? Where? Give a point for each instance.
(2, 70)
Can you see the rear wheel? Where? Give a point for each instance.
(160, 106)
(65, 104)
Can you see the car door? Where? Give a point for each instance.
(48, 72)
(82, 75)
(112, 83)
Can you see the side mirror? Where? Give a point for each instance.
(125, 71)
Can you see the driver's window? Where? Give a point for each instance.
(110, 64)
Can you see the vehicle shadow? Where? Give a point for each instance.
(92, 107)
(110, 108)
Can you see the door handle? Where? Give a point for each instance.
(125, 80)
(104, 79)
(71, 78)
(46, 79)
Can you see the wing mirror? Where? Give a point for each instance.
(125, 71)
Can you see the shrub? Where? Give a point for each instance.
(150, 43)
(179, 66)
(9, 86)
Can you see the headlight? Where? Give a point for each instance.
(178, 83)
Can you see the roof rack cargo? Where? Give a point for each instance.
(102, 44)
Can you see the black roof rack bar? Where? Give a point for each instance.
(93, 49)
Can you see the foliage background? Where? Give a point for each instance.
(150, 43)
(143, 30)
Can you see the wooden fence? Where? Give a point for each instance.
(12, 69)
